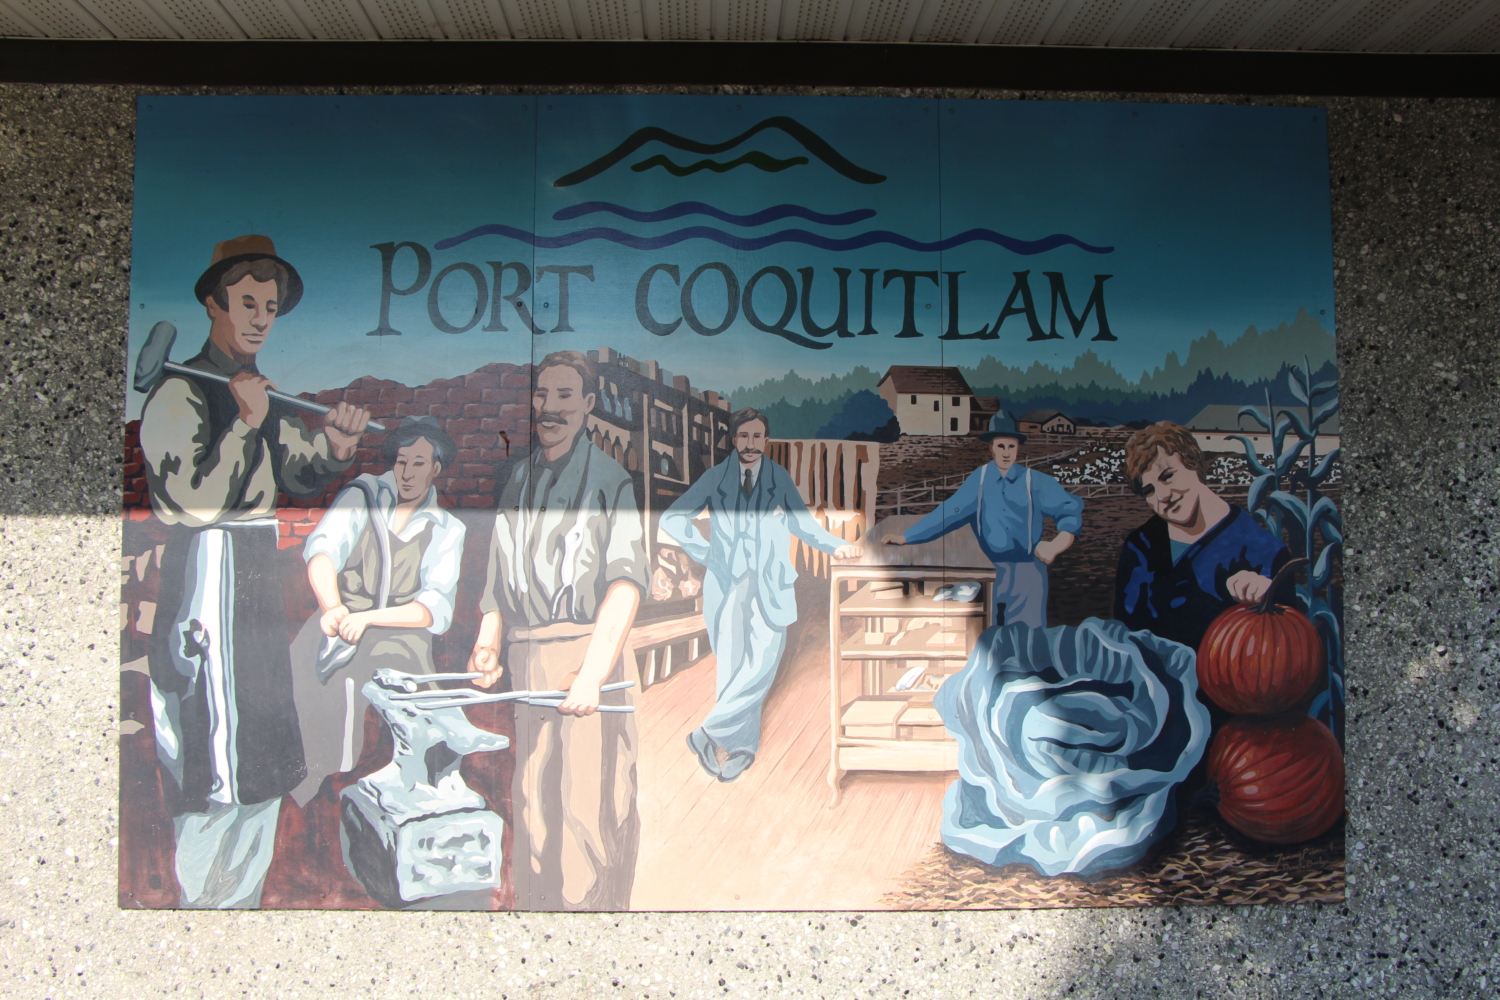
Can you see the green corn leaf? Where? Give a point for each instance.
(1333, 532)
(1255, 414)
(1251, 458)
(1325, 411)
(1323, 568)
(1296, 385)
(1325, 468)
(1324, 511)
(1300, 423)
(1294, 507)
(1287, 459)
(1259, 490)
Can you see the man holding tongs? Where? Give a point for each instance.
(567, 569)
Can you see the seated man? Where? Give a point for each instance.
(1199, 554)
(415, 567)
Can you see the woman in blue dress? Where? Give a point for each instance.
(1199, 554)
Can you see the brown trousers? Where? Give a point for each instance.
(573, 798)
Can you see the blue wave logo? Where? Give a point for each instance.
(773, 214)
(751, 243)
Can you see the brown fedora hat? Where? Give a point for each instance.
(240, 250)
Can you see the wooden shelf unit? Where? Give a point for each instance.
(895, 636)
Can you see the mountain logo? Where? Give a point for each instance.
(815, 144)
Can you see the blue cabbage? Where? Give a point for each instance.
(1072, 742)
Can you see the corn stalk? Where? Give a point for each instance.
(1307, 519)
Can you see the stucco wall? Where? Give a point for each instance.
(1416, 197)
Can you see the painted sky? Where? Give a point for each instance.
(1218, 218)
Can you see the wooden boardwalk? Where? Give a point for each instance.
(769, 840)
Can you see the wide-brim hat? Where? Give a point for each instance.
(1003, 425)
(243, 249)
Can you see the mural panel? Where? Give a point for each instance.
(661, 503)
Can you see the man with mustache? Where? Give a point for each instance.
(1199, 554)
(567, 568)
(748, 591)
(227, 733)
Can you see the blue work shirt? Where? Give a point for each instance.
(999, 516)
(1179, 598)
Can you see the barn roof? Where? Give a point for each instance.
(921, 378)
(1226, 417)
(1042, 416)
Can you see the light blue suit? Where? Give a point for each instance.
(748, 592)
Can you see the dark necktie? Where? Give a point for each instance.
(749, 484)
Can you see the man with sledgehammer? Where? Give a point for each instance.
(227, 734)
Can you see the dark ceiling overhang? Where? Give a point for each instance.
(776, 63)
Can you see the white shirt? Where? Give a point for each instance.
(336, 535)
(754, 468)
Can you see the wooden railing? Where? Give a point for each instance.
(837, 482)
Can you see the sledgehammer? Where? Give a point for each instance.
(152, 362)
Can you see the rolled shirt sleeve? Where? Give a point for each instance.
(624, 544)
(1065, 509)
(196, 481)
(441, 564)
(495, 575)
(339, 529)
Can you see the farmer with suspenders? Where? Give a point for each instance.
(1004, 502)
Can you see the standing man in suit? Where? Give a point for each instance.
(748, 595)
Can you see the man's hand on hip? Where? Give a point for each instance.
(1053, 547)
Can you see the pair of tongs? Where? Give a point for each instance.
(459, 697)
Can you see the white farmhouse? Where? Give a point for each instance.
(928, 400)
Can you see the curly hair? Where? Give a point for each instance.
(1174, 439)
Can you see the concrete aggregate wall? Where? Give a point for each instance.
(1416, 197)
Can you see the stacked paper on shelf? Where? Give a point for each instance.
(872, 717)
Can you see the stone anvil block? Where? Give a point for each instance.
(413, 830)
